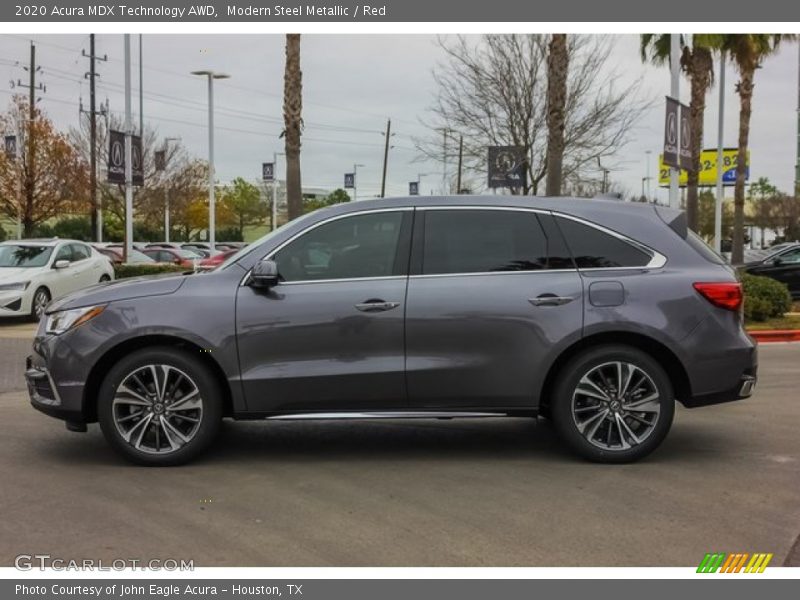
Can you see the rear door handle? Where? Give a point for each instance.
(550, 300)
(376, 306)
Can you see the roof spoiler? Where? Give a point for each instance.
(676, 219)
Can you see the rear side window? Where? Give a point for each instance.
(481, 241)
(593, 249)
(80, 252)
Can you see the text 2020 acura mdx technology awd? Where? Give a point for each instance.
(596, 314)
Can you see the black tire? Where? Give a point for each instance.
(44, 294)
(104, 278)
(599, 436)
(188, 371)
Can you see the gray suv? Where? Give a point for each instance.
(595, 314)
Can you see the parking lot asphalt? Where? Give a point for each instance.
(497, 492)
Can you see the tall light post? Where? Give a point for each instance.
(355, 180)
(128, 154)
(647, 154)
(720, 157)
(166, 189)
(211, 76)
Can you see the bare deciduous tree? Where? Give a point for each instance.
(495, 93)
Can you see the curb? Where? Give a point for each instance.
(776, 335)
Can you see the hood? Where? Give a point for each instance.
(121, 289)
(10, 274)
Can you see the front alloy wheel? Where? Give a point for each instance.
(614, 404)
(157, 409)
(160, 406)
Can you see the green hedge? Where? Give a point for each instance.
(764, 298)
(137, 270)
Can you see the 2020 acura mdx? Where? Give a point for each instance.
(597, 314)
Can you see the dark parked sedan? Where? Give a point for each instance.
(596, 314)
(783, 266)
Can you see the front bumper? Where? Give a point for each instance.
(53, 394)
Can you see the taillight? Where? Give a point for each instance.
(722, 295)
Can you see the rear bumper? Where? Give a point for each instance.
(744, 388)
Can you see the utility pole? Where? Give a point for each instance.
(460, 160)
(30, 177)
(674, 63)
(385, 156)
(128, 155)
(97, 224)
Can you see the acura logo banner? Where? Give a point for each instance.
(507, 167)
(116, 158)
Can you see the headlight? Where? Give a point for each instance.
(19, 286)
(64, 320)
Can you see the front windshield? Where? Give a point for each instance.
(25, 256)
(260, 241)
(188, 254)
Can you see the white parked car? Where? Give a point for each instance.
(33, 272)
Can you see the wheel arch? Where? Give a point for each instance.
(115, 353)
(657, 350)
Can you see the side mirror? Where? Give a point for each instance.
(777, 261)
(264, 274)
(61, 264)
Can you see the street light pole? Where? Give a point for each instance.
(211, 76)
(720, 151)
(647, 173)
(166, 188)
(128, 155)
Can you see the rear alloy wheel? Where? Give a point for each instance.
(105, 279)
(614, 404)
(159, 407)
(41, 298)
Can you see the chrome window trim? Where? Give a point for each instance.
(657, 260)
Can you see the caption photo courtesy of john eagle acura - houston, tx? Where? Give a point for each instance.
(594, 314)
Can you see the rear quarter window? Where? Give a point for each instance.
(595, 249)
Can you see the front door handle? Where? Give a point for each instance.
(375, 305)
(550, 300)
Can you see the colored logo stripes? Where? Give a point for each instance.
(737, 562)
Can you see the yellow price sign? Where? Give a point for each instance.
(708, 169)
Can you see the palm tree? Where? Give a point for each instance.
(557, 66)
(748, 51)
(698, 65)
(293, 123)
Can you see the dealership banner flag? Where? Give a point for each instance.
(507, 167)
(671, 126)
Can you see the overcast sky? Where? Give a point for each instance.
(351, 84)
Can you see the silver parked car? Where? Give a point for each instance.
(596, 314)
